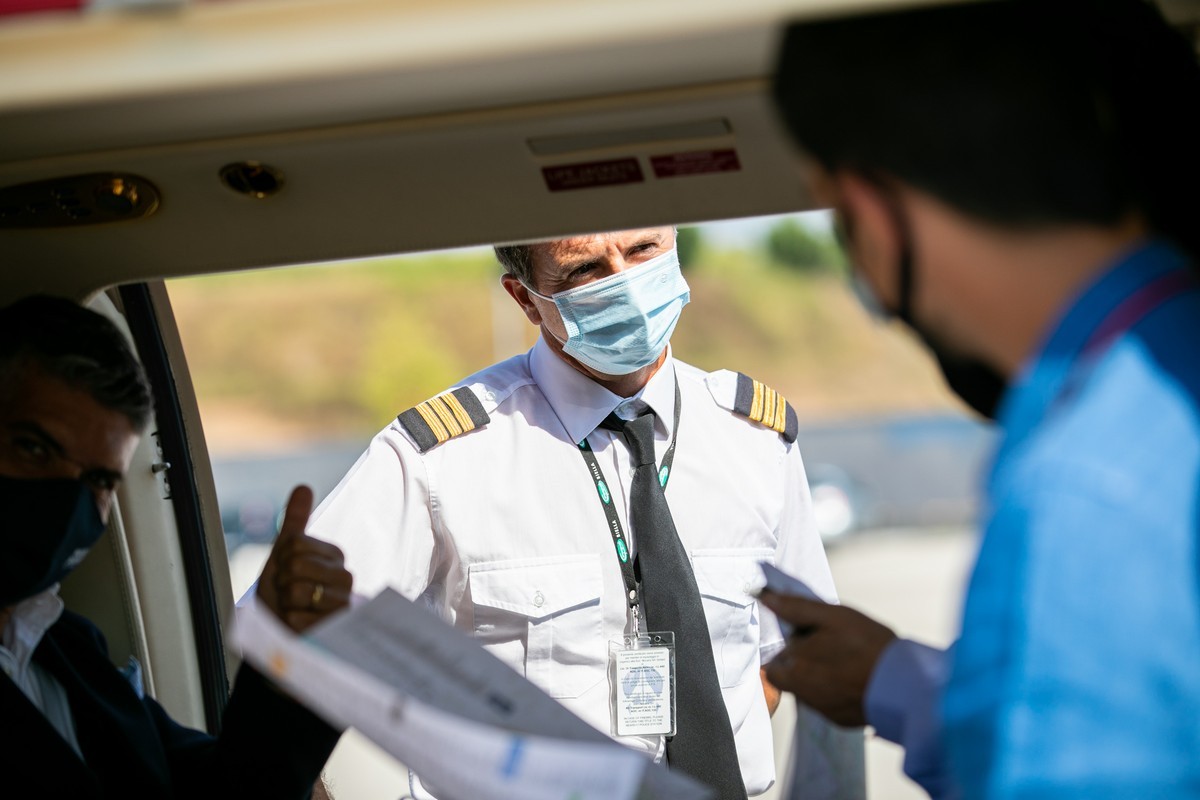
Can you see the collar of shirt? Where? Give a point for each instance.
(1045, 376)
(30, 620)
(581, 404)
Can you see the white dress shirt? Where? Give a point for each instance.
(500, 531)
(30, 620)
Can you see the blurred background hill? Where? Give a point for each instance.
(287, 356)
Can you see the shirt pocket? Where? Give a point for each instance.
(727, 579)
(542, 617)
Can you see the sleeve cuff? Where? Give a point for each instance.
(905, 689)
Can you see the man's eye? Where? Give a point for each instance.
(579, 272)
(31, 449)
(644, 252)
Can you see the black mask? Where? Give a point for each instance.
(48, 527)
(975, 383)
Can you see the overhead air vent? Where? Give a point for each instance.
(75, 200)
(252, 179)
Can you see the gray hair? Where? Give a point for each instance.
(517, 260)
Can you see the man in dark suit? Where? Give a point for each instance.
(73, 404)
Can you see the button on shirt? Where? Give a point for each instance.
(500, 531)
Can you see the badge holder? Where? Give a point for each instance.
(642, 671)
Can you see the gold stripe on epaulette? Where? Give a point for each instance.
(441, 418)
(780, 422)
(760, 403)
(431, 419)
(756, 406)
(768, 407)
(438, 404)
(460, 413)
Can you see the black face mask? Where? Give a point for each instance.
(48, 527)
(975, 383)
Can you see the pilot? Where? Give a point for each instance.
(560, 503)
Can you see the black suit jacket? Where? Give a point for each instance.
(269, 747)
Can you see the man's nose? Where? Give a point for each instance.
(614, 268)
(616, 262)
(104, 499)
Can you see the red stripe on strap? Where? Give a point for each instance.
(1135, 307)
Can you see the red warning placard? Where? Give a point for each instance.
(697, 162)
(592, 174)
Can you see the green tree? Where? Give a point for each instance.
(690, 243)
(792, 244)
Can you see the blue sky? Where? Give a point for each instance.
(750, 231)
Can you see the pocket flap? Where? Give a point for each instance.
(730, 575)
(537, 587)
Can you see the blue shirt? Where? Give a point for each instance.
(1077, 673)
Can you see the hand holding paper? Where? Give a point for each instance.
(436, 700)
(779, 582)
(830, 653)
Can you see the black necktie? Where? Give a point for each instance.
(703, 746)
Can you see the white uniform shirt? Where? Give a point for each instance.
(30, 620)
(500, 530)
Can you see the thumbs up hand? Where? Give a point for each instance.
(304, 579)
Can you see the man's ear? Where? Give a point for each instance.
(517, 291)
(877, 236)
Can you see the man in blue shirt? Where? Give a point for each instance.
(1017, 182)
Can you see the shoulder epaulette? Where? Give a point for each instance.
(441, 418)
(755, 401)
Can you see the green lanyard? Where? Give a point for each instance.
(610, 511)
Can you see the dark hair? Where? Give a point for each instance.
(1019, 112)
(78, 346)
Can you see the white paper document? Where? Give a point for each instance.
(828, 761)
(467, 724)
(780, 582)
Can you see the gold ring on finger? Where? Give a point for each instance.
(318, 593)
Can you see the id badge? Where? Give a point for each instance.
(643, 684)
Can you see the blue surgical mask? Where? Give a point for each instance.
(621, 323)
